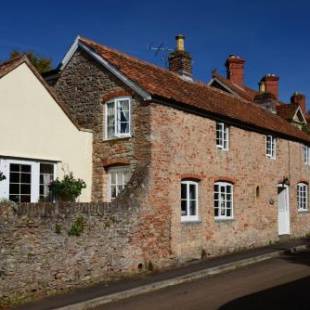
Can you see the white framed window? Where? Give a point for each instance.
(189, 201)
(118, 118)
(222, 136)
(302, 197)
(46, 177)
(118, 178)
(26, 180)
(306, 155)
(271, 146)
(223, 200)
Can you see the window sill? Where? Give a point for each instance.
(303, 211)
(269, 157)
(188, 221)
(222, 149)
(117, 138)
(231, 219)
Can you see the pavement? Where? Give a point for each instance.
(102, 294)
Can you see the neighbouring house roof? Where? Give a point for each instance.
(244, 92)
(287, 111)
(167, 86)
(8, 66)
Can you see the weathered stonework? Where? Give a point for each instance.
(86, 87)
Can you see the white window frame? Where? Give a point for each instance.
(117, 134)
(306, 150)
(188, 217)
(271, 146)
(118, 170)
(302, 197)
(223, 130)
(220, 216)
(35, 176)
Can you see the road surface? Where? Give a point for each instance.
(280, 283)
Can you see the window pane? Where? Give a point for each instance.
(183, 191)
(192, 207)
(192, 191)
(113, 191)
(111, 120)
(25, 189)
(14, 177)
(14, 167)
(123, 116)
(183, 208)
(25, 198)
(14, 188)
(25, 178)
(26, 168)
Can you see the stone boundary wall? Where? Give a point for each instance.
(40, 251)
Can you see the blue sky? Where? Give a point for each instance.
(273, 36)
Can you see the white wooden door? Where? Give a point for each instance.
(283, 210)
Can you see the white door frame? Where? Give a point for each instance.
(284, 221)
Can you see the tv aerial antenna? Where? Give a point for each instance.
(161, 51)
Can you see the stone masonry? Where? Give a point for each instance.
(86, 87)
(177, 145)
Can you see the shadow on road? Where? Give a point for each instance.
(298, 258)
(293, 295)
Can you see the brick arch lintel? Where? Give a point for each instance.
(116, 93)
(109, 163)
(227, 179)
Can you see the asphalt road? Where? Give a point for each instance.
(281, 283)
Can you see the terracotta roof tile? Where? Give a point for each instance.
(169, 86)
(287, 111)
(245, 92)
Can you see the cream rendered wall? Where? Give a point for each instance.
(33, 126)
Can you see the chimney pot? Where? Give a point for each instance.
(180, 61)
(270, 84)
(300, 99)
(235, 69)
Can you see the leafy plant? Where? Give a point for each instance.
(58, 229)
(2, 176)
(67, 189)
(77, 227)
(42, 64)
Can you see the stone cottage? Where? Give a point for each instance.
(40, 140)
(226, 168)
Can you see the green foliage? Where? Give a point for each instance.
(42, 64)
(68, 189)
(2, 176)
(58, 229)
(306, 128)
(77, 227)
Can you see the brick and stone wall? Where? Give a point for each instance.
(183, 145)
(86, 86)
(41, 254)
(38, 256)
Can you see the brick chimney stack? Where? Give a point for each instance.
(235, 69)
(270, 84)
(299, 99)
(180, 61)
